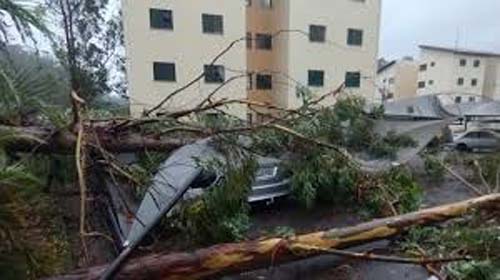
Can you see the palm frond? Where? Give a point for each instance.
(23, 17)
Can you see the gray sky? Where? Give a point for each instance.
(408, 23)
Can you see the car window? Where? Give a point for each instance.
(486, 135)
(472, 135)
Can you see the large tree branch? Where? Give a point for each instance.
(239, 257)
(40, 139)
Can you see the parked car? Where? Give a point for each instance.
(181, 170)
(477, 140)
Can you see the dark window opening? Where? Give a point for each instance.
(214, 74)
(353, 79)
(463, 62)
(263, 41)
(213, 24)
(423, 67)
(317, 33)
(473, 82)
(164, 71)
(316, 78)
(477, 63)
(460, 81)
(161, 19)
(354, 37)
(458, 99)
(421, 84)
(264, 82)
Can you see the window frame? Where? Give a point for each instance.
(421, 84)
(320, 31)
(208, 69)
(319, 81)
(477, 63)
(348, 80)
(263, 41)
(211, 22)
(463, 62)
(474, 82)
(460, 81)
(351, 40)
(158, 77)
(154, 12)
(261, 82)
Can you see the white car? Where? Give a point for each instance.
(477, 140)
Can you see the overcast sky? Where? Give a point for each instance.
(408, 23)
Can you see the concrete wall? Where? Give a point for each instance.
(400, 80)
(334, 56)
(492, 78)
(289, 60)
(186, 46)
(446, 72)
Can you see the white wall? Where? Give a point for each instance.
(447, 71)
(334, 56)
(186, 46)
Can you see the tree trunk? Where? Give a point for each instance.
(39, 139)
(239, 257)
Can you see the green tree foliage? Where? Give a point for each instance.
(89, 44)
(32, 245)
(21, 18)
(30, 86)
(221, 214)
(471, 237)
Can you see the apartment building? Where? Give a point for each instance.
(292, 48)
(398, 79)
(459, 75)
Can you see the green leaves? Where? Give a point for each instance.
(25, 18)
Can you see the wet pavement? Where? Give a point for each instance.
(287, 214)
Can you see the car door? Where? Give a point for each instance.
(487, 140)
(471, 140)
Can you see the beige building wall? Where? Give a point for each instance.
(492, 78)
(289, 60)
(443, 70)
(334, 56)
(399, 81)
(186, 46)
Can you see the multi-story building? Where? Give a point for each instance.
(398, 79)
(292, 48)
(460, 75)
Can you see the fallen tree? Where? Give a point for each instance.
(63, 141)
(233, 258)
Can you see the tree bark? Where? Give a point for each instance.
(40, 139)
(239, 257)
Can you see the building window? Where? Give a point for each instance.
(433, 64)
(161, 19)
(353, 79)
(477, 63)
(458, 99)
(212, 24)
(421, 84)
(316, 78)
(264, 41)
(410, 109)
(264, 82)
(423, 67)
(354, 37)
(249, 40)
(472, 99)
(463, 62)
(266, 4)
(460, 81)
(473, 82)
(317, 33)
(431, 82)
(163, 71)
(390, 95)
(214, 74)
(250, 81)
(391, 81)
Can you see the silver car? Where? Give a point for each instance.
(477, 140)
